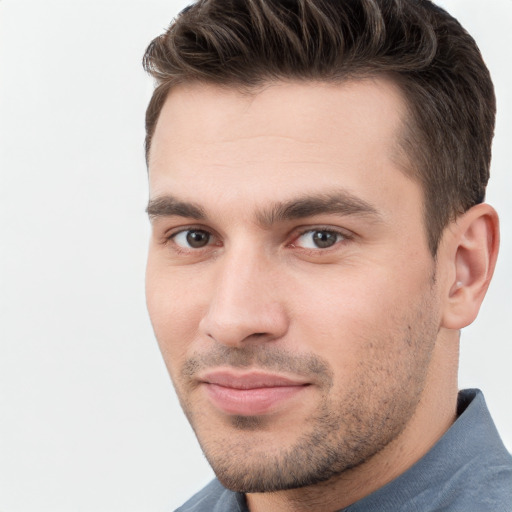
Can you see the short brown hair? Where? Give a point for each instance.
(435, 62)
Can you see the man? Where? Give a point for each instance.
(317, 175)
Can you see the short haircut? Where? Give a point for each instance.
(436, 64)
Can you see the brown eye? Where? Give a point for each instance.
(198, 238)
(324, 239)
(192, 238)
(319, 239)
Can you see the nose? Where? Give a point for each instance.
(245, 305)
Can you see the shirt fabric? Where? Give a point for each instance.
(467, 470)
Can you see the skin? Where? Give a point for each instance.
(367, 323)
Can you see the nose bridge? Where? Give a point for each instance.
(244, 302)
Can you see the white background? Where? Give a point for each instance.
(88, 418)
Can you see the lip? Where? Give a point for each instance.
(250, 394)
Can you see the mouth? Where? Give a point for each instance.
(250, 394)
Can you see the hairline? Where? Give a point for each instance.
(408, 134)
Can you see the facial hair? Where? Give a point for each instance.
(347, 426)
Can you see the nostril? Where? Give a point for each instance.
(229, 324)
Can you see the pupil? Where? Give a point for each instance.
(324, 239)
(197, 238)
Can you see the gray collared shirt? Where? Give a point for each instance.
(467, 470)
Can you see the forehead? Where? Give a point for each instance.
(212, 113)
(284, 139)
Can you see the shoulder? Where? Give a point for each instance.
(214, 498)
(470, 468)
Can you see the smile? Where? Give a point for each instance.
(250, 394)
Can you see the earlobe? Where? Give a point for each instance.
(473, 249)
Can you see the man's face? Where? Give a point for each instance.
(289, 281)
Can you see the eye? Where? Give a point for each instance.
(318, 239)
(192, 238)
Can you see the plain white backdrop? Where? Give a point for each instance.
(88, 417)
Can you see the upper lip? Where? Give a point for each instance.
(248, 380)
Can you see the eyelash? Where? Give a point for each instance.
(342, 236)
(170, 239)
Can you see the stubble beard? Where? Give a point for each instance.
(332, 444)
(343, 432)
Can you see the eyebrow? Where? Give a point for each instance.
(339, 202)
(167, 206)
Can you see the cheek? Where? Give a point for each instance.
(174, 306)
(344, 301)
(349, 316)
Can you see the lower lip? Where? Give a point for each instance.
(250, 402)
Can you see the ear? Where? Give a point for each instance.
(471, 246)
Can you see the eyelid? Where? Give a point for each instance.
(301, 231)
(171, 234)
